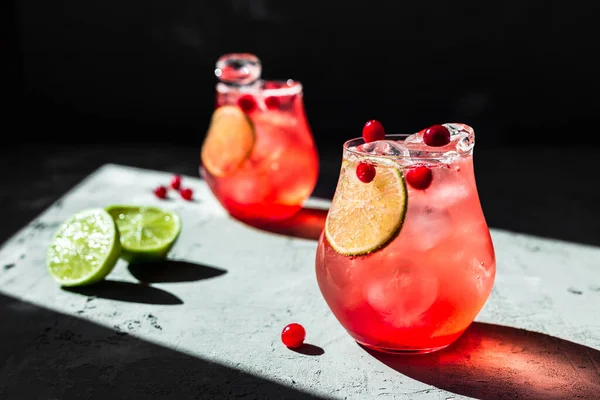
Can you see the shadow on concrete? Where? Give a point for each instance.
(127, 292)
(522, 197)
(48, 355)
(308, 223)
(171, 271)
(498, 362)
(309, 350)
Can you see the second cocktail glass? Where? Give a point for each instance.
(258, 157)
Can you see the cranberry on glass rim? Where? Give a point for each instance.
(272, 102)
(372, 131)
(247, 103)
(436, 136)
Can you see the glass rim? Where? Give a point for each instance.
(293, 87)
(435, 154)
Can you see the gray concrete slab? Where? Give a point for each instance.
(208, 327)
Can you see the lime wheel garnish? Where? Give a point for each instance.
(364, 217)
(229, 141)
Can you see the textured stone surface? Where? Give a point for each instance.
(207, 325)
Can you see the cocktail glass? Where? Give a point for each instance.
(406, 261)
(258, 156)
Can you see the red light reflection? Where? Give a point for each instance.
(498, 362)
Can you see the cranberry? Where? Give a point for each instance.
(272, 102)
(365, 172)
(419, 177)
(161, 192)
(247, 103)
(436, 136)
(372, 131)
(176, 182)
(187, 193)
(293, 335)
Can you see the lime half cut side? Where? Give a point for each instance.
(85, 249)
(364, 217)
(147, 233)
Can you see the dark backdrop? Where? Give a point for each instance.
(520, 72)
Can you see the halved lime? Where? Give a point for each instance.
(147, 233)
(229, 141)
(364, 217)
(85, 249)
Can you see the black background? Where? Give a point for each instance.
(520, 72)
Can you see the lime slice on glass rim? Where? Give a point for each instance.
(147, 233)
(85, 249)
(364, 217)
(229, 141)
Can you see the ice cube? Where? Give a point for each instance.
(415, 145)
(368, 148)
(402, 294)
(385, 148)
(414, 138)
(393, 148)
(450, 192)
(456, 129)
(462, 135)
(448, 157)
(238, 68)
(249, 191)
(429, 226)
